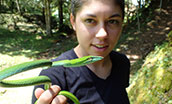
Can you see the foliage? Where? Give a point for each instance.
(170, 38)
(11, 43)
(7, 20)
(153, 84)
(37, 7)
(16, 43)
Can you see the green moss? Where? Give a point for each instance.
(170, 37)
(153, 83)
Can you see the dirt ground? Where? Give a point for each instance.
(21, 95)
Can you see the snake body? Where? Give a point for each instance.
(42, 79)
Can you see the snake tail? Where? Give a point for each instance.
(70, 96)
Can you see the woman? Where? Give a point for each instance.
(98, 25)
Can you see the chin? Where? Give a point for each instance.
(100, 54)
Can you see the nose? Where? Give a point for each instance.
(102, 33)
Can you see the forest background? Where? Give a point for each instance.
(40, 29)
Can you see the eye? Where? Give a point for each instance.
(113, 22)
(90, 21)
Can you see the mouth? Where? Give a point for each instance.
(100, 46)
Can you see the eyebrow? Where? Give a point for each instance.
(91, 15)
(115, 15)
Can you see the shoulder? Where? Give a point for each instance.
(70, 54)
(121, 65)
(119, 57)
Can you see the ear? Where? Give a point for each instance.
(72, 21)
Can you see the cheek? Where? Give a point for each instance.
(114, 35)
(83, 33)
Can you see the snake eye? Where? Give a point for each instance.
(90, 59)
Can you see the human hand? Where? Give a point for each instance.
(50, 96)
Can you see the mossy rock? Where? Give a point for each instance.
(170, 37)
(153, 84)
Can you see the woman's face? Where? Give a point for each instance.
(98, 26)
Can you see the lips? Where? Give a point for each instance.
(101, 47)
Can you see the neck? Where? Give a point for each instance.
(101, 68)
(102, 63)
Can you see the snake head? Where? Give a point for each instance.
(83, 61)
(95, 58)
(78, 61)
(91, 59)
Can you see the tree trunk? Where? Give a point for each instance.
(160, 6)
(0, 5)
(60, 6)
(48, 17)
(139, 3)
(1, 2)
(18, 6)
(12, 6)
(138, 20)
(43, 15)
(128, 7)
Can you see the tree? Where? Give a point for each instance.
(60, 7)
(48, 17)
(18, 6)
(0, 4)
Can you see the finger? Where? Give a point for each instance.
(38, 92)
(59, 99)
(48, 95)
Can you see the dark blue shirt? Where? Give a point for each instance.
(89, 88)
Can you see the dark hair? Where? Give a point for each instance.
(77, 4)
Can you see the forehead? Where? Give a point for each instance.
(100, 7)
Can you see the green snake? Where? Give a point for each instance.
(43, 79)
